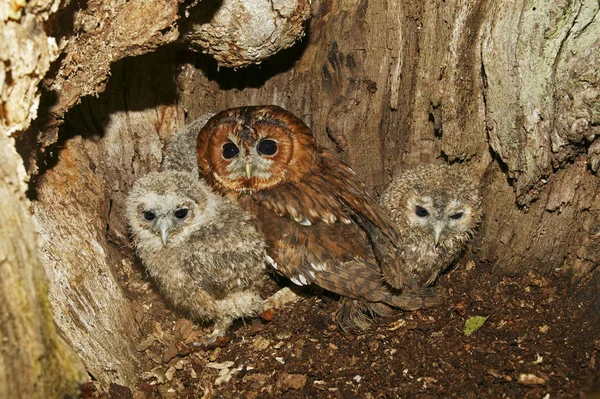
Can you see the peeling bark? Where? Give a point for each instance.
(25, 54)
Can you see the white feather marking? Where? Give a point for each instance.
(312, 274)
(272, 262)
(320, 268)
(302, 220)
(305, 222)
(303, 279)
(295, 281)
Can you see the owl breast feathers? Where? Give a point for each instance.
(203, 250)
(436, 209)
(321, 225)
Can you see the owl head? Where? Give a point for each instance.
(164, 208)
(436, 202)
(254, 148)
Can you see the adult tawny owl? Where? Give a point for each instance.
(317, 216)
(203, 250)
(436, 209)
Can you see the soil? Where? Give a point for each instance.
(541, 340)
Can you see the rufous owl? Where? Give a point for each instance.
(321, 225)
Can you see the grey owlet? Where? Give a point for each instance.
(203, 250)
(436, 209)
(181, 151)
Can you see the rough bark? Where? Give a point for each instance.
(34, 361)
(508, 89)
(94, 37)
(238, 33)
(26, 53)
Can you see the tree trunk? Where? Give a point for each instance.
(34, 361)
(508, 89)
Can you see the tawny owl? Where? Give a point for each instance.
(317, 216)
(203, 250)
(436, 208)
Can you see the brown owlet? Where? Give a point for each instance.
(436, 208)
(203, 250)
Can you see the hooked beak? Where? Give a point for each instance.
(437, 233)
(248, 170)
(164, 228)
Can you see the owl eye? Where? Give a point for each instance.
(149, 215)
(181, 213)
(421, 212)
(456, 215)
(267, 147)
(230, 150)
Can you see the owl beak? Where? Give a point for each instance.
(164, 228)
(438, 229)
(248, 170)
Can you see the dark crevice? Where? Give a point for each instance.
(253, 76)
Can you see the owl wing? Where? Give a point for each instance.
(330, 192)
(334, 194)
(336, 257)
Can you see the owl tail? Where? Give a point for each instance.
(358, 313)
(426, 297)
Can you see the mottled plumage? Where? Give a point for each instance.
(181, 151)
(436, 208)
(203, 250)
(316, 214)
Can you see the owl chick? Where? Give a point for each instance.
(181, 152)
(321, 225)
(436, 208)
(203, 250)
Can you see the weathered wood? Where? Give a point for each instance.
(80, 216)
(509, 89)
(95, 37)
(26, 53)
(238, 33)
(391, 84)
(34, 361)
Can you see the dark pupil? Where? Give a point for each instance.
(149, 215)
(181, 213)
(456, 215)
(420, 211)
(267, 147)
(230, 150)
